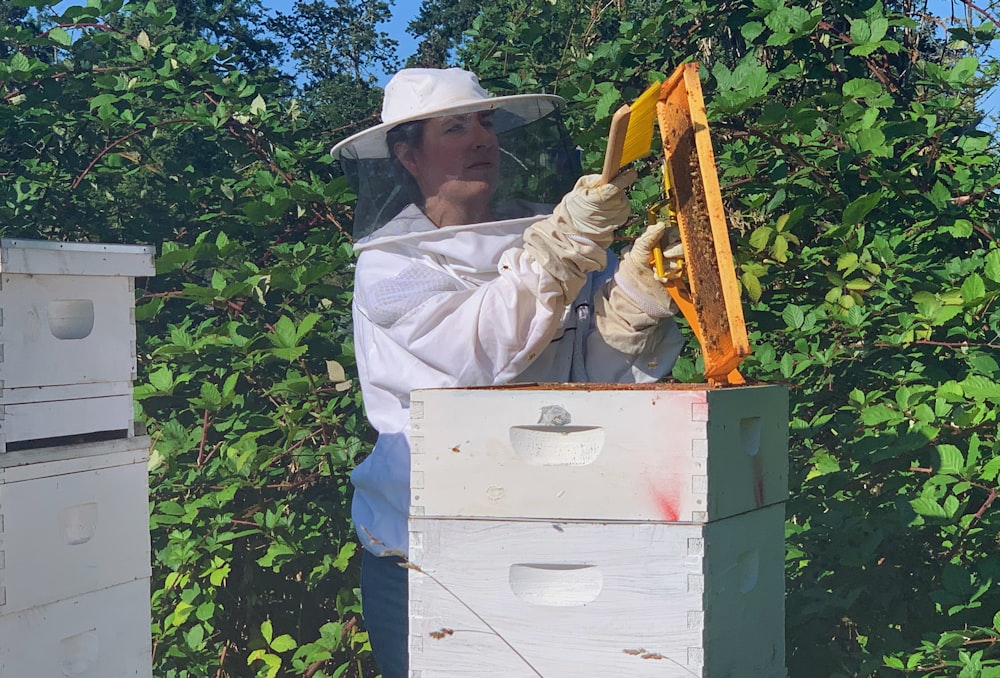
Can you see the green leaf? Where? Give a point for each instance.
(861, 31)
(861, 88)
(952, 461)
(973, 289)
(925, 506)
(751, 284)
(285, 334)
(990, 469)
(939, 195)
(210, 395)
(290, 353)
(961, 228)
(868, 31)
(61, 36)
(963, 70)
(872, 141)
(608, 100)
(859, 208)
(951, 505)
(980, 387)
(876, 415)
(760, 237)
(283, 643)
(751, 30)
(258, 106)
(306, 325)
(847, 262)
(787, 365)
(196, 637)
(19, 62)
(992, 267)
(102, 100)
(780, 248)
(162, 379)
(793, 316)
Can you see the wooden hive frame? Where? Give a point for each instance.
(709, 299)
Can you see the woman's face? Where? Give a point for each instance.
(458, 162)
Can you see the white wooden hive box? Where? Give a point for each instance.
(102, 634)
(578, 599)
(73, 519)
(597, 452)
(67, 334)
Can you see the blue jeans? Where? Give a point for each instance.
(384, 604)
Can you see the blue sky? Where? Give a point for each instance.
(403, 11)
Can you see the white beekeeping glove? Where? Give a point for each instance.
(630, 314)
(571, 242)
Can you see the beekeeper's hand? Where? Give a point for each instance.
(630, 313)
(572, 241)
(595, 209)
(638, 276)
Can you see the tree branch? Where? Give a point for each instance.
(107, 149)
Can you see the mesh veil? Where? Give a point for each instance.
(538, 164)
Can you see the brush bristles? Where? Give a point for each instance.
(639, 136)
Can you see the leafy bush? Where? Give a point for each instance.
(862, 198)
(244, 335)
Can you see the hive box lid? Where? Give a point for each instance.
(46, 257)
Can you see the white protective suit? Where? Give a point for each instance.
(464, 306)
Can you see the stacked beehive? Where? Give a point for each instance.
(598, 531)
(74, 525)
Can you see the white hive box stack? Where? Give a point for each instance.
(74, 521)
(67, 338)
(598, 530)
(75, 561)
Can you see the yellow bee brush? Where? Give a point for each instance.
(631, 133)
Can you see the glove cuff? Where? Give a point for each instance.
(566, 257)
(653, 306)
(622, 324)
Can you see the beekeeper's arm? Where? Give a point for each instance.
(633, 317)
(631, 310)
(489, 334)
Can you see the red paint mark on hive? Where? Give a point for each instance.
(667, 505)
(758, 482)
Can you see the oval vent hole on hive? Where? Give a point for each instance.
(556, 584)
(557, 445)
(80, 653)
(79, 523)
(750, 435)
(71, 318)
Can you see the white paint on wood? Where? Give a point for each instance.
(47, 394)
(65, 329)
(598, 599)
(102, 634)
(55, 418)
(659, 454)
(72, 526)
(62, 459)
(48, 257)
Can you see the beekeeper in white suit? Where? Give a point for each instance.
(466, 278)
